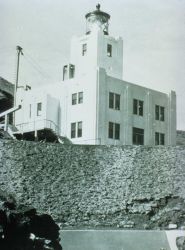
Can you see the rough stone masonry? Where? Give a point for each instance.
(85, 186)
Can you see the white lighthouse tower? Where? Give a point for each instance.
(97, 48)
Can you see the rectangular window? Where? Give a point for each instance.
(156, 112)
(73, 130)
(75, 125)
(111, 133)
(114, 101)
(79, 134)
(80, 97)
(135, 107)
(117, 102)
(159, 138)
(138, 107)
(114, 131)
(65, 71)
(138, 136)
(162, 114)
(109, 50)
(39, 109)
(111, 100)
(74, 98)
(71, 71)
(159, 113)
(117, 131)
(84, 49)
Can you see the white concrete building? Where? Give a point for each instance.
(93, 105)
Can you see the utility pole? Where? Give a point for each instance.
(19, 52)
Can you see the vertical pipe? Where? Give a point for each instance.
(19, 51)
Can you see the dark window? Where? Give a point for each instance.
(159, 138)
(114, 131)
(159, 113)
(138, 107)
(73, 130)
(111, 100)
(138, 136)
(162, 114)
(109, 50)
(111, 124)
(135, 107)
(117, 131)
(114, 101)
(74, 98)
(84, 49)
(162, 140)
(80, 97)
(39, 108)
(65, 72)
(79, 134)
(71, 71)
(117, 102)
(156, 138)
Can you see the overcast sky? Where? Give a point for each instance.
(153, 32)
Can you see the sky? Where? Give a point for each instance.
(153, 33)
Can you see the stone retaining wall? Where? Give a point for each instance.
(97, 186)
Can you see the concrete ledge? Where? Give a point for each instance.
(119, 239)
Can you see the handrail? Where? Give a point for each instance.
(35, 122)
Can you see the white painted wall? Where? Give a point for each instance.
(96, 55)
(125, 116)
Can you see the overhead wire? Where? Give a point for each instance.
(35, 65)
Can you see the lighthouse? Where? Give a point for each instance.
(93, 104)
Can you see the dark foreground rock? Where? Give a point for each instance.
(180, 242)
(21, 228)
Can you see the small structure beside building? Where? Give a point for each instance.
(93, 105)
(6, 98)
(6, 94)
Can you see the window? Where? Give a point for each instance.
(159, 138)
(75, 125)
(111, 100)
(80, 97)
(73, 130)
(138, 107)
(111, 133)
(79, 134)
(117, 102)
(159, 113)
(138, 136)
(74, 98)
(114, 131)
(71, 71)
(114, 101)
(84, 49)
(117, 131)
(109, 50)
(65, 71)
(39, 108)
(68, 72)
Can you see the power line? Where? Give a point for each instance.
(36, 66)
